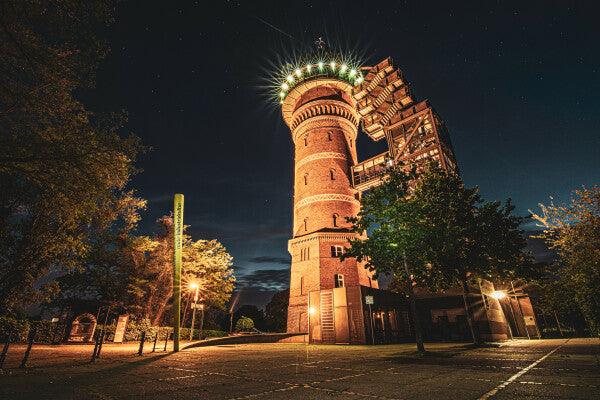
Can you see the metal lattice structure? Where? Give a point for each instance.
(414, 132)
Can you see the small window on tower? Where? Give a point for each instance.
(332, 174)
(339, 280)
(329, 136)
(350, 142)
(306, 140)
(306, 178)
(302, 285)
(335, 219)
(337, 251)
(305, 224)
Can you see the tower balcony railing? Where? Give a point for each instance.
(368, 173)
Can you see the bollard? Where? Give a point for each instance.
(102, 334)
(166, 340)
(155, 340)
(142, 343)
(5, 349)
(95, 348)
(31, 339)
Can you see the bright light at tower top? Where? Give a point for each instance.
(318, 66)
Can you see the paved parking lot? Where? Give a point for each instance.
(537, 369)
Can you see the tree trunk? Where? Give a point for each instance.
(469, 312)
(413, 308)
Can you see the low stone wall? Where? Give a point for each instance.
(266, 338)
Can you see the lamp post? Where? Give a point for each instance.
(194, 286)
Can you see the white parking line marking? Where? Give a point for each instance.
(517, 375)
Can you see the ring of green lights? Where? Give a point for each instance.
(319, 69)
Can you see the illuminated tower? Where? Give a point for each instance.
(324, 99)
(318, 107)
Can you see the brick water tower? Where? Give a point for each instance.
(318, 107)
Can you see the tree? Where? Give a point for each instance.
(62, 168)
(276, 311)
(394, 218)
(442, 229)
(244, 323)
(134, 274)
(573, 230)
(252, 312)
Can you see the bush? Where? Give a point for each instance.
(20, 329)
(213, 334)
(244, 323)
(44, 331)
(134, 329)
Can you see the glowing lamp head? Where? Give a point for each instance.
(344, 67)
(298, 72)
(290, 78)
(193, 285)
(312, 310)
(320, 64)
(359, 79)
(285, 86)
(352, 72)
(308, 67)
(332, 65)
(498, 295)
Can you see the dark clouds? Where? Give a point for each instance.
(273, 260)
(265, 279)
(259, 286)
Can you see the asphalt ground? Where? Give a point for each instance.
(536, 369)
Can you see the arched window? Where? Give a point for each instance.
(335, 219)
(305, 224)
(306, 140)
(332, 174)
(306, 178)
(302, 285)
(329, 136)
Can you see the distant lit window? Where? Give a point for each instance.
(337, 251)
(339, 280)
(329, 136)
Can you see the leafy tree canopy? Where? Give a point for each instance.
(63, 169)
(134, 274)
(276, 311)
(573, 230)
(447, 232)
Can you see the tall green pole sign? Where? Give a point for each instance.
(177, 235)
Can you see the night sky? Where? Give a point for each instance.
(517, 86)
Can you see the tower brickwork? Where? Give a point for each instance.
(322, 117)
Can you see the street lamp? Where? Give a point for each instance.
(194, 285)
(498, 295)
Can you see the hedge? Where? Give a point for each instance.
(45, 331)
